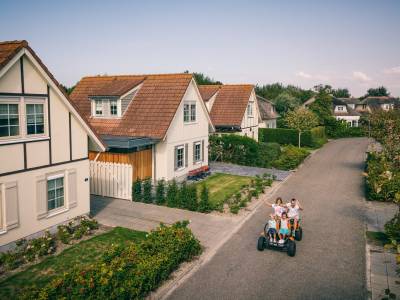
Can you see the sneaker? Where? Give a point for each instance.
(270, 239)
(281, 241)
(275, 241)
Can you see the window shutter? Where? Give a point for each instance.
(186, 154)
(41, 197)
(202, 150)
(194, 153)
(175, 156)
(11, 204)
(72, 189)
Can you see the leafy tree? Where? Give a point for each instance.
(137, 191)
(322, 107)
(341, 93)
(147, 196)
(377, 92)
(68, 90)
(301, 119)
(172, 194)
(204, 204)
(160, 192)
(285, 102)
(272, 91)
(204, 79)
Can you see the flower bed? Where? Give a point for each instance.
(125, 272)
(27, 251)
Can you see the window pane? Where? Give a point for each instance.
(14, 130)
(60, 192)
(50, 205)
(3, 109)
(50, 185)
(4, 131)
(39, 118)
(51, 194)
(13, 108)
(3, 120)
(30, 119)
(39, 108)
(60, 182)
(39, 128)
(30, 109)
(30, 129)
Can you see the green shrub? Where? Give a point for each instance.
(291, 157)
(340, 129)
(234, 208)
(128, 272)
(137, 191)
(147, 187)
(172, 194)
(392, 228)
(182, 196)
(191, 201)
(204, 204)
(315, 137)
(64, 233)
(268, 152)
(160, 192)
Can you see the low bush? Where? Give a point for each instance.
(137, 191)
(290, 158)
(340, 129)
(172, 194)
(204, 203)
(268, 152)
(392, 228)
(128, 272)
(160, 192)
(382, 179)
(147, 189)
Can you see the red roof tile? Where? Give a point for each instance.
(207, 91)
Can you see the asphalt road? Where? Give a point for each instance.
(330, 260)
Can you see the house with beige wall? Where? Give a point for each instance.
(156, 123)
(233, 108)
(44, 166)
(268, 113)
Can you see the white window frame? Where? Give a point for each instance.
(195, 159)
(250, 112)
(188, 116)
(34, 102)
(116, 107)
(340, 108)
(13, 102)
(96, 102)
(59, 208)
(181, 147)
(2, 210)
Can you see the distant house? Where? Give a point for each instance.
(268, 113)
(345, 112)
(369, 104)
(44, 165)
(233, 108)
(156, 123)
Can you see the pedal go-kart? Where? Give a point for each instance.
(289, 245)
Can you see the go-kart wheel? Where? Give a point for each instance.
(298, 234)
(291, 248)
(261, 243)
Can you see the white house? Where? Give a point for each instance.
(157, 123)
(343, 111)
(369, 104)
(268, 113)
(233, 108)
(44, 165)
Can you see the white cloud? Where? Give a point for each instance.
(360, 76)
(394, 70)
(303, 75)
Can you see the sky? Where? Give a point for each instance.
(347, 44)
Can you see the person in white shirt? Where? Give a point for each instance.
(272, 229)
(293, 211)
(278, 207)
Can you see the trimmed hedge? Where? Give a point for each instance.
(315, 137)
(127, 271)
(291, 157)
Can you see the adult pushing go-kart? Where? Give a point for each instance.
(283, 228)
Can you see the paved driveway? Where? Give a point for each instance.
(330, 260)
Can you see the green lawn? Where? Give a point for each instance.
(82, 253)
(223, 186)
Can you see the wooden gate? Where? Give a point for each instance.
(111, 179)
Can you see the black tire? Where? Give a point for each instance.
(291, 248)
(261, 243)
(298, 234)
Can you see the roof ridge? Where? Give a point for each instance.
(138, 75)
(23, 42)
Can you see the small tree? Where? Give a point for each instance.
(137, 191)
(301, 119)
(172, 194)
(160, 192)
(204, 204)
(182, 195)
(191, 202)
(147, 186)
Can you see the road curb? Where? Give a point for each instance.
(188, 270)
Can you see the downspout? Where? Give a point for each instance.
(154, 163)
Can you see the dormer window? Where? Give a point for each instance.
(340, 108)
(114, 107)
(99, 107)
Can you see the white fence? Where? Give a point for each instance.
(111, 179)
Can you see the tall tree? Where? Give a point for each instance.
(68, 90)
(301, 119)
(341, 93)
(285, 102)
(322, 107)
(377, 92)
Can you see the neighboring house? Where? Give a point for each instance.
(233, 108)
(268, 113)
(344, 111)
(44, 165)
(156, 123)
(351, 102)
(369, 104)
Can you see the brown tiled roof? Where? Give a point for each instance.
(207, 91)
(266, 108)
(230, 104)
(150, 112)
(118, 87)
(8, 49)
